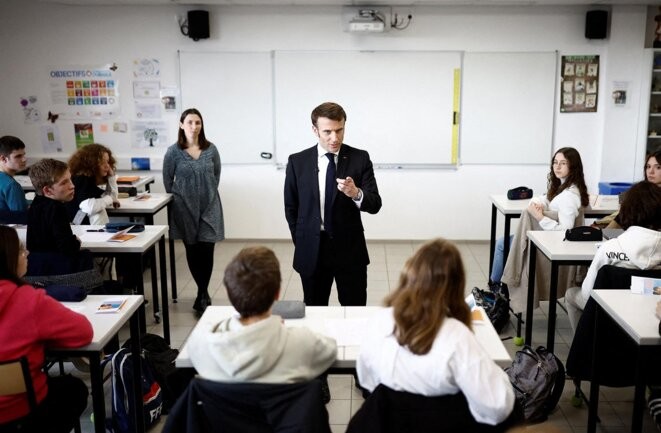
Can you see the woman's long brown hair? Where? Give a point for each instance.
(575, 176)
(431, 288)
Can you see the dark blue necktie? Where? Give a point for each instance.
(330, 190)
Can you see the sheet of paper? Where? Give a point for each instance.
(347, 332)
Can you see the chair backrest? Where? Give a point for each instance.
(390, 411)
(15, 378)
(612, 277)
(209, 406)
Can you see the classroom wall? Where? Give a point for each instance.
(418, 204)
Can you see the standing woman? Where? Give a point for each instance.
(191, 172)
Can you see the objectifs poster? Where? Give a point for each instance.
(84, 92)
(579, 84)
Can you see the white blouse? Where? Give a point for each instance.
(456, 362)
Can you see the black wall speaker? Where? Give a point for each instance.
(596, 24)
(198, 25)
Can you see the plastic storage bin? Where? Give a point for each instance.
(613, 188)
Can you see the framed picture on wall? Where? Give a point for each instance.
(579, 84)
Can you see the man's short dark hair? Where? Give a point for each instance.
(252, 280)
(9, 143)
(329, 110)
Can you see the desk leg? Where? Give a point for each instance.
(532, 263)
(639, 394)
(492, 241)
(594, 383)
(553, 297)
(173, 270)
(506, 239)
(164, 289)
(141, 291)
(138, 410)
(98, 397)
(154, 285)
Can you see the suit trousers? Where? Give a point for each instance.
(351, 281)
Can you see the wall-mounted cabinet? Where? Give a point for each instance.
(654, 120)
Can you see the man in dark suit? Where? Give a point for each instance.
(326, 188)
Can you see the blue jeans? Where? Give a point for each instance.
(498, 265)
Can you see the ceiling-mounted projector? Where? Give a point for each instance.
(367, 20)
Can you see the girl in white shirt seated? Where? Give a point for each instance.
(423, 342)
(566, 194)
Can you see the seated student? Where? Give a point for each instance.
(30, 321)
(49, 234)
(651, 173)
(566, 195)
(255, 346)
(91, 166)
(13, 205)
(639, 247)
(423, 342)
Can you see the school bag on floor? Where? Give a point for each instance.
(495, 305)
(123, 397)
(160, 357)
(538, 378)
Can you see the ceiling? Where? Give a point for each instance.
(353, 2)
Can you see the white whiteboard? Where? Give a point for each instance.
(507, 108)
(234, 93)
(398, 103)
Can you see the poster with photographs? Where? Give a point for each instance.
(579, 84)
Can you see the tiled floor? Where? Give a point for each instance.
(387, 260)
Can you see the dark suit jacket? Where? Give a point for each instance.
(302, 208)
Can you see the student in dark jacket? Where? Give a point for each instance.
(55, 249)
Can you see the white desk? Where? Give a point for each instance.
(130, 207)
(143, 182)
(143, 243)
(635, 314)
(559, 252)
(106, 326)
(139, 184)
(600, 206)
(25, 182)
(347, 326)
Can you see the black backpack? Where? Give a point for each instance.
(496, 305)
(538, 378)
(160, 357)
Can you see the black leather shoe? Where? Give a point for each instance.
(201, 304)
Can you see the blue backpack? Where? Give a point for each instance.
(122, 394)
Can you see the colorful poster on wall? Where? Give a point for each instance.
(84, 134)
(579, 84)
(84, 92)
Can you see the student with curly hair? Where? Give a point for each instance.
(92, 166)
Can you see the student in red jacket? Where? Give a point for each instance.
(30, 321)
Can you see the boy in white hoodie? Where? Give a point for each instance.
(639, 247)
(255, 346)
